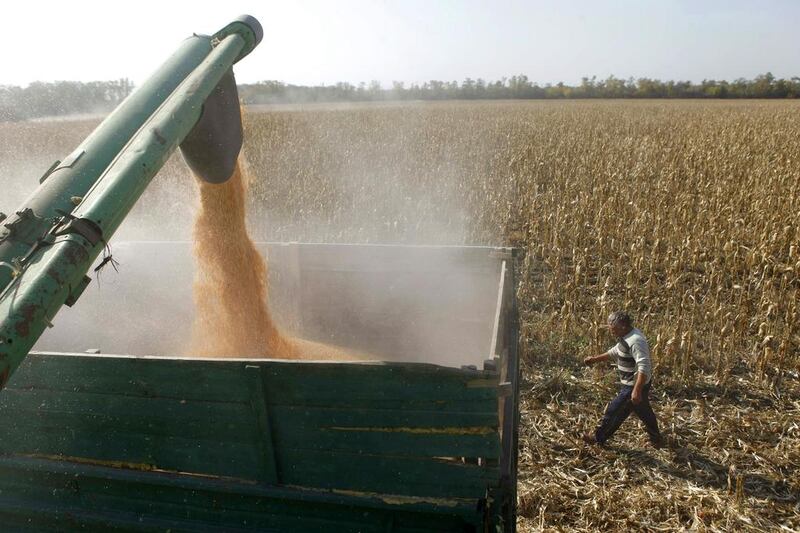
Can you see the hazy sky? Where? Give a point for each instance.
(312, 42)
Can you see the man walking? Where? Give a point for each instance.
(632, 357)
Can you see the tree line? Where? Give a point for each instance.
(42, 99)
(45, 99)
(520, 87)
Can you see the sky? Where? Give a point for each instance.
(310, 42)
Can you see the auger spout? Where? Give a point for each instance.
(48, 245)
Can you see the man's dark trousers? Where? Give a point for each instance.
(620, 408)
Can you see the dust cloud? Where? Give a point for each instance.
(355, 180)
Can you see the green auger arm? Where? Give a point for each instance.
(48, 245)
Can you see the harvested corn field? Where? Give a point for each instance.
(684, 212)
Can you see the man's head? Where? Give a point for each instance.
(619, 323)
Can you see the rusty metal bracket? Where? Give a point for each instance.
(80, 226)
(75, 292)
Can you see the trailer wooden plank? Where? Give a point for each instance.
(414, 476)
(431, 433)
(225, 379)
(413, 434)
(97, 497)
(414, 445)
(183, 379)
(152, 416)
(292, 384)
(205, 490)
(365, 415)
(133, 450)
(268, 471)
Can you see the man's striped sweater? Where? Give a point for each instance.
(631, 355)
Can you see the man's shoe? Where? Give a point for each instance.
(589, 439)
(658, 443)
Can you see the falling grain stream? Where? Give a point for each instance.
(232, 315)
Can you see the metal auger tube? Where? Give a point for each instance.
(58, 233)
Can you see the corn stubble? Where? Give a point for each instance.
(685, 213)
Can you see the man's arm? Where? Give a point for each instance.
(592, 359)
(636, 395)
(644, 369)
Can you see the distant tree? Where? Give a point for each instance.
(398, 91)
(41, 99)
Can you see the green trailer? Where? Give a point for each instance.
(422, 437)
(156, 443)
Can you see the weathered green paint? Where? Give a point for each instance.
(50, 494)
(375, 433)
(96, 153)
(504, 517)
(47, 248)
(247, 444)
(401, 385)
(267, 455)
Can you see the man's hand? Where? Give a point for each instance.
(636, 396)
(595, 359)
